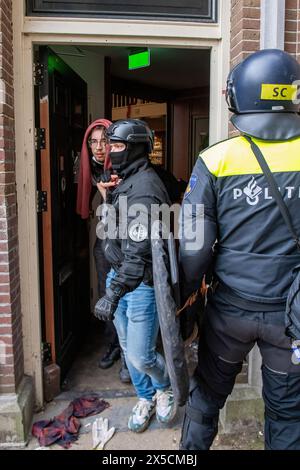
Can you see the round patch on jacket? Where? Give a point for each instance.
(191, 185)
(138, 232)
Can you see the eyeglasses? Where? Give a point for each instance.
(95, 142)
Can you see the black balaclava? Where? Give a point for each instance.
(120, 161)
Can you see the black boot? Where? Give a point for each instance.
(124, 372)
(112, 355)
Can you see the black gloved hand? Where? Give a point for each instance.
(107, 305)
(106, 176)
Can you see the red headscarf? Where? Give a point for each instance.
(85, 177)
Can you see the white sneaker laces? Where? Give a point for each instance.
(164, 398)
(142, 409)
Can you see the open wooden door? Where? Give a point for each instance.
(61, 109)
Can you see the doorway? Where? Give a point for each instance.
(173, 97)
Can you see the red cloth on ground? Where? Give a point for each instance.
(86, 406)
(64, 428)
(85, 177)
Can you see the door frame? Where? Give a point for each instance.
(29, 31)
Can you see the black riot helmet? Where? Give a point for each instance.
(262, 92)
(138, 138)
(131, 130)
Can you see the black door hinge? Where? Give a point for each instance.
(40, 138)
(41, 201)
(46, 353)
(38, 74)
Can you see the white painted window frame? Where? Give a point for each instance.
(272, 32)
(29, 31)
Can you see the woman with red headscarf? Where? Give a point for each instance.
(94, 160)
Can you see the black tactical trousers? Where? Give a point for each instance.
(228, 335)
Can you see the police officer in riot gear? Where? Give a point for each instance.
(130, 297)
(255, 254)
(131, 141)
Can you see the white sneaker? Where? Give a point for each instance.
(165, 406)
(141, 415)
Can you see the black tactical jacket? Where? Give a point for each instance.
(128, 249)
(255, 253)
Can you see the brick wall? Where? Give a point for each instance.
(11, 347)
(292, 25)
(298, 31)
(244, 34)
(245, 29)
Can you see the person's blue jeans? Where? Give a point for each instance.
(136, 321)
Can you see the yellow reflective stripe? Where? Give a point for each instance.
(278, 92)
(235, 157)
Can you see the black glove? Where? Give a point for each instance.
(106, 176)
(107, 305)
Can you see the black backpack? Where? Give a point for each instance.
(292, 313)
